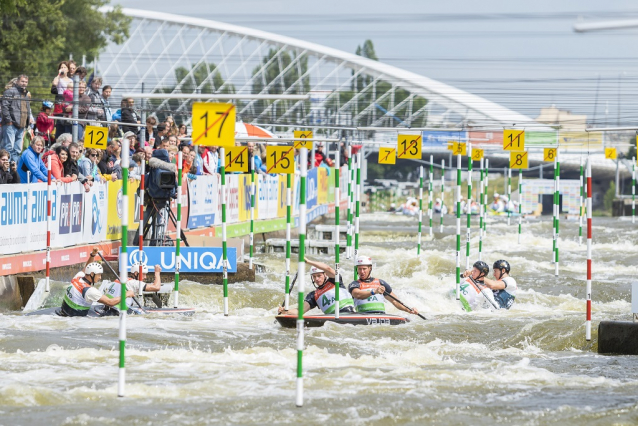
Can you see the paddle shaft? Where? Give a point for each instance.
(117, 277)
(291, 287)
(482, 287)
(386, 294)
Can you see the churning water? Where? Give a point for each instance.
(529, 365)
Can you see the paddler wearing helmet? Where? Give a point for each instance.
(368, 292)
(81, 294)
(134, 283)
(503, 286)
(323, 278)
(474, 293)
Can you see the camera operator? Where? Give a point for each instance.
(161, 187)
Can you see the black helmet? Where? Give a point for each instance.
(502, 264)
(483, 267)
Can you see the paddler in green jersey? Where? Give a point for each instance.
(323, 278)
(368, 292)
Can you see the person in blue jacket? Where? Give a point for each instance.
(30, 162)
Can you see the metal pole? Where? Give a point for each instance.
(47, 287)
(589, 260)
(252, 212)
(301, 273)
(357, 209)
(76, 99)
(487, 181)
(143, 129)
(431, 206)
(580, 204)
(520, 203)
(141, 219)
(123, 267)
(481, 210)
(468, 205)
(224, 247)
(288, 222)
(442, 192)
(418, 240)
(336, 233)
(349, 213)
(557, 211)
(458, 227)
(178, 228)
(633, 190)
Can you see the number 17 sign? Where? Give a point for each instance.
(213, 124)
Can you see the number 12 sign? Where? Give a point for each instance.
(213, 124)
(95, 137)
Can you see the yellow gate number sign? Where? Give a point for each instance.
(280, 159)
(514, 140)
(213, 124)
(409, 146)
(549, 154)
(303, 134)
(387, 155)
(610, 153)
(459, 148)
(518, 160)
(236, 159)
(477, 154)
(95, 137)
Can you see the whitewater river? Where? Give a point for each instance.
(530, 365)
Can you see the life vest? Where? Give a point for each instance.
(325, 298)
(503, 297)
(114, 290)
(471, 297)
(74, 304)
(375, 303)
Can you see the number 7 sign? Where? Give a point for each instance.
(213, 124)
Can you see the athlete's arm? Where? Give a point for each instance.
(108, 301)
(306, 308)
(329, 271)
(157, 284)
(91, 258)
(494, 284)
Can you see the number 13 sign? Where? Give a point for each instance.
(213, 124)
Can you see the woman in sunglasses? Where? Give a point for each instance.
(88, 164)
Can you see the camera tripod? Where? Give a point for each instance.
(156, 217)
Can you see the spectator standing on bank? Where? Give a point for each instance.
(171, 126)
(58, 158)
(210, 159)
(129, 115)
(30, 162)
(88, 167)
(85, 110)
(15, 116)
(72, 168)
(96, 110)
(106, 94)
(8, 169)
(151, 131)
(161, 135)
(182, 132)
(58, 86)
(115, 132)
(72, 67)
(44, 124)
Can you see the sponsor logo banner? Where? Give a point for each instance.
(193, 259)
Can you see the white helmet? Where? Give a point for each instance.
(315, 270)
(93, 268)
(496, 195)
(136, 267)
(363, 261)
(504, 198)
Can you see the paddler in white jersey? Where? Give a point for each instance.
(368, 292)
(503, 286)
(474, 292)
(133, 284)
(81, 294)
(323, 278)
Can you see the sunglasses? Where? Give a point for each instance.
(92, 155)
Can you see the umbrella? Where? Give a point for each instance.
(249, 130)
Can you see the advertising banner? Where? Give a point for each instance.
(202, 200)
(193, 259)
(311, 188)
(440, 139)
(95, 211)
(322, 185)
(114, 203)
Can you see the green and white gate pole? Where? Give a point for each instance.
(458, 227)
(580, 210)
(350, 205)
(178, 229)
(418, 240)
(554, 206)
(252, 213)
(288, 223)
(301, 272)
(431, 204)
(633, 190)
(481, 210)
(468, 205)
(520, 203)
(442, 192)
(357, 207)
(486, 200)
(222, 158)
(336, 233)
(509, 195)
(557, 196)
(121, 376)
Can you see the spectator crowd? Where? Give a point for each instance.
(28, 144)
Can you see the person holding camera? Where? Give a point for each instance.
(8, 169)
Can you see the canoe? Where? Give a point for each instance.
(93, 313)
(290, 321)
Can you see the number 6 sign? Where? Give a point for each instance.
(213, 124)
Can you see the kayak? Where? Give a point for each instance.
(96, 311)
(290, 321)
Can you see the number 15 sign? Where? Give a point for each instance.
(213, 124)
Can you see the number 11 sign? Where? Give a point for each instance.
(213, 124)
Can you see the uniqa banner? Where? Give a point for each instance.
(193, 259)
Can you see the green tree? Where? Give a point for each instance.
(610, 196)
(36, 34)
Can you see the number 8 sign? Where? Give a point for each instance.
(95, 137)
(519, 160)
(213, 124)
(409, 146)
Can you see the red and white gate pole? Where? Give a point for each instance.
(589, 240)
(47, 287)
